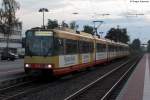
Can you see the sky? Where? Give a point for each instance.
(131, 14)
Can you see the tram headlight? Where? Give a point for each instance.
(49, 66)
(26, 65)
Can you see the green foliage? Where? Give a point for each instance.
(8, 19)
(52, 24)
(64, 24)
(73, 25)
(148, 46)
(118, 35)
(136, 45)
(88, 29)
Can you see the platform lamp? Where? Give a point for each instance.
(43, 10)
(76, 26)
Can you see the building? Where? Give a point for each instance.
(15, 39)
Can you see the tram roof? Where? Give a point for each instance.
(81, 34)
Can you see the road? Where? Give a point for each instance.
(10, 69)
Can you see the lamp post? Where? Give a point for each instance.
(43, 10)
(75, 26)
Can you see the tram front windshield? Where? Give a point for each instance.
(39, 43)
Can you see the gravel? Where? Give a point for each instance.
(65, 86)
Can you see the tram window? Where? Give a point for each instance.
(71, 46)
(104, 47)
(109, 48)
(113, 48)
(91, 47)
(97, 47)
(117, 48)
(59, 46)
(100, 47)
(85, 47)
(124, 48)
(120, 48)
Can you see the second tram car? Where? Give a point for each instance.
(61, 52)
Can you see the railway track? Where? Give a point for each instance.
(103, 87)
(17, 91)
(14, 80)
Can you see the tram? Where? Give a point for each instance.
(61, 52)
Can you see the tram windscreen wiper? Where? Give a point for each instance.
(47, 52)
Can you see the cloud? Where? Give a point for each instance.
(35, 5)
(89, 10)
(136, 27)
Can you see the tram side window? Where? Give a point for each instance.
(91, 47)
(120, 48)
(85, 47)
(117, 48)
(104, 47)
(100, 47)
(113, 48)
(71, 46)
(59, 46)
(109, 48)
(127, 48)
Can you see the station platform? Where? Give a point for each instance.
(138, 85)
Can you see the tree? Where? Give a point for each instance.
(136, 45)
(7, 15)
(88, 29)
(8, 19)
(73, 25)
(52, 24)
(118, 35)
(64, 24)
(148, 46)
